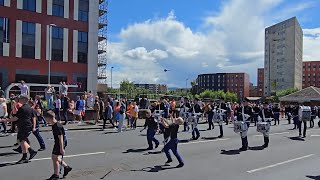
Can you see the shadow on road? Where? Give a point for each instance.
(297, 138)
(7, 154)
(3, 147)
(135, 150)
(156, 168)
(7, 164)
(230, 152)
(256, 148)
(314, 177)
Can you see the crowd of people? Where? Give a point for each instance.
(163, 116)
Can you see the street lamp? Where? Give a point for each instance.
(274, 40)
(50, 51)
(111, 76)
(187, 83)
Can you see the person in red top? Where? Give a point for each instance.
(15, 106)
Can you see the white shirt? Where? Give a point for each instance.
(136, 109)
(2, 113)
(58, 104)
(24, 89)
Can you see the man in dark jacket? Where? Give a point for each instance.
(65, 107)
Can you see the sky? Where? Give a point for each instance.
(191, 37)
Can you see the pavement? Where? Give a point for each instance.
(96, 154)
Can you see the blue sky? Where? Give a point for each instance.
(199, 36)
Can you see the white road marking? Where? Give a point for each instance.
(68, 156)
(260, 135)
(315, 135)
(281, 163)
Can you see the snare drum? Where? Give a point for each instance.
(263, 127)
(240, 126)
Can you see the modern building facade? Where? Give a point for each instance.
(33, 32)
(283, 56)
(311, 74)
(233, 82)
(154, 88)
(260, 82)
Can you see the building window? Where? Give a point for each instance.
(57, 44)
(2, 2)
(82, 47)
(83, 10)
(28, 40)
(4, 30)
(58, 8)
(29, 5)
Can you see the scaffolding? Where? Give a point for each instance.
(103, 39)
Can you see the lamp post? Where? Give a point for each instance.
(111, 76)
(269, 77)
(50, 52)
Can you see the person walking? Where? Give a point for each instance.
(3, 114)
(24, 116)
(108, 115)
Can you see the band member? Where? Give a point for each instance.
(195, 110)
(300, 121)
(23, 118)
(173, 143)
(244, 113)
(184, 108)
(152, 125)
(276, 111)
(266, 114)
(211, 109)
(295, 115)
(60, 143)
(223, 106)
(288, 111)
(313, 116)
(220, 114)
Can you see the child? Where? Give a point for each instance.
(173, 143)
(60, 142)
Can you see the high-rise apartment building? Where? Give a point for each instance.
(283, 56)
(34, 31)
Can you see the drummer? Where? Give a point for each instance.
(266, 115)
(242, 112)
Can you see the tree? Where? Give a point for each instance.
(282, 93)
(193, 89)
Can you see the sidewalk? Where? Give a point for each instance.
(88, 125)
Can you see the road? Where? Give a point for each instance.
(95, 154)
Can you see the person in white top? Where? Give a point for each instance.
(90, 100)
(3, 113)
(49, 92)
(58, 107)
(23, 88)
(63, 90)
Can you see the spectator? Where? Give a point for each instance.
(96, 108)
(65, 107)
(108, 115)
(102, 109)
(3, 113)
(15, 106)
(90, 100)
(58, 107)
(24, 88)
(39, 102)
(63, 90)
(49, 92)
(134, 115)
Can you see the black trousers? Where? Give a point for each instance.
(304, 127)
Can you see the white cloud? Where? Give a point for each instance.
(311, 41)
(233, 41)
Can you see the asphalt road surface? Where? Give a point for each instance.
(95, 154)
